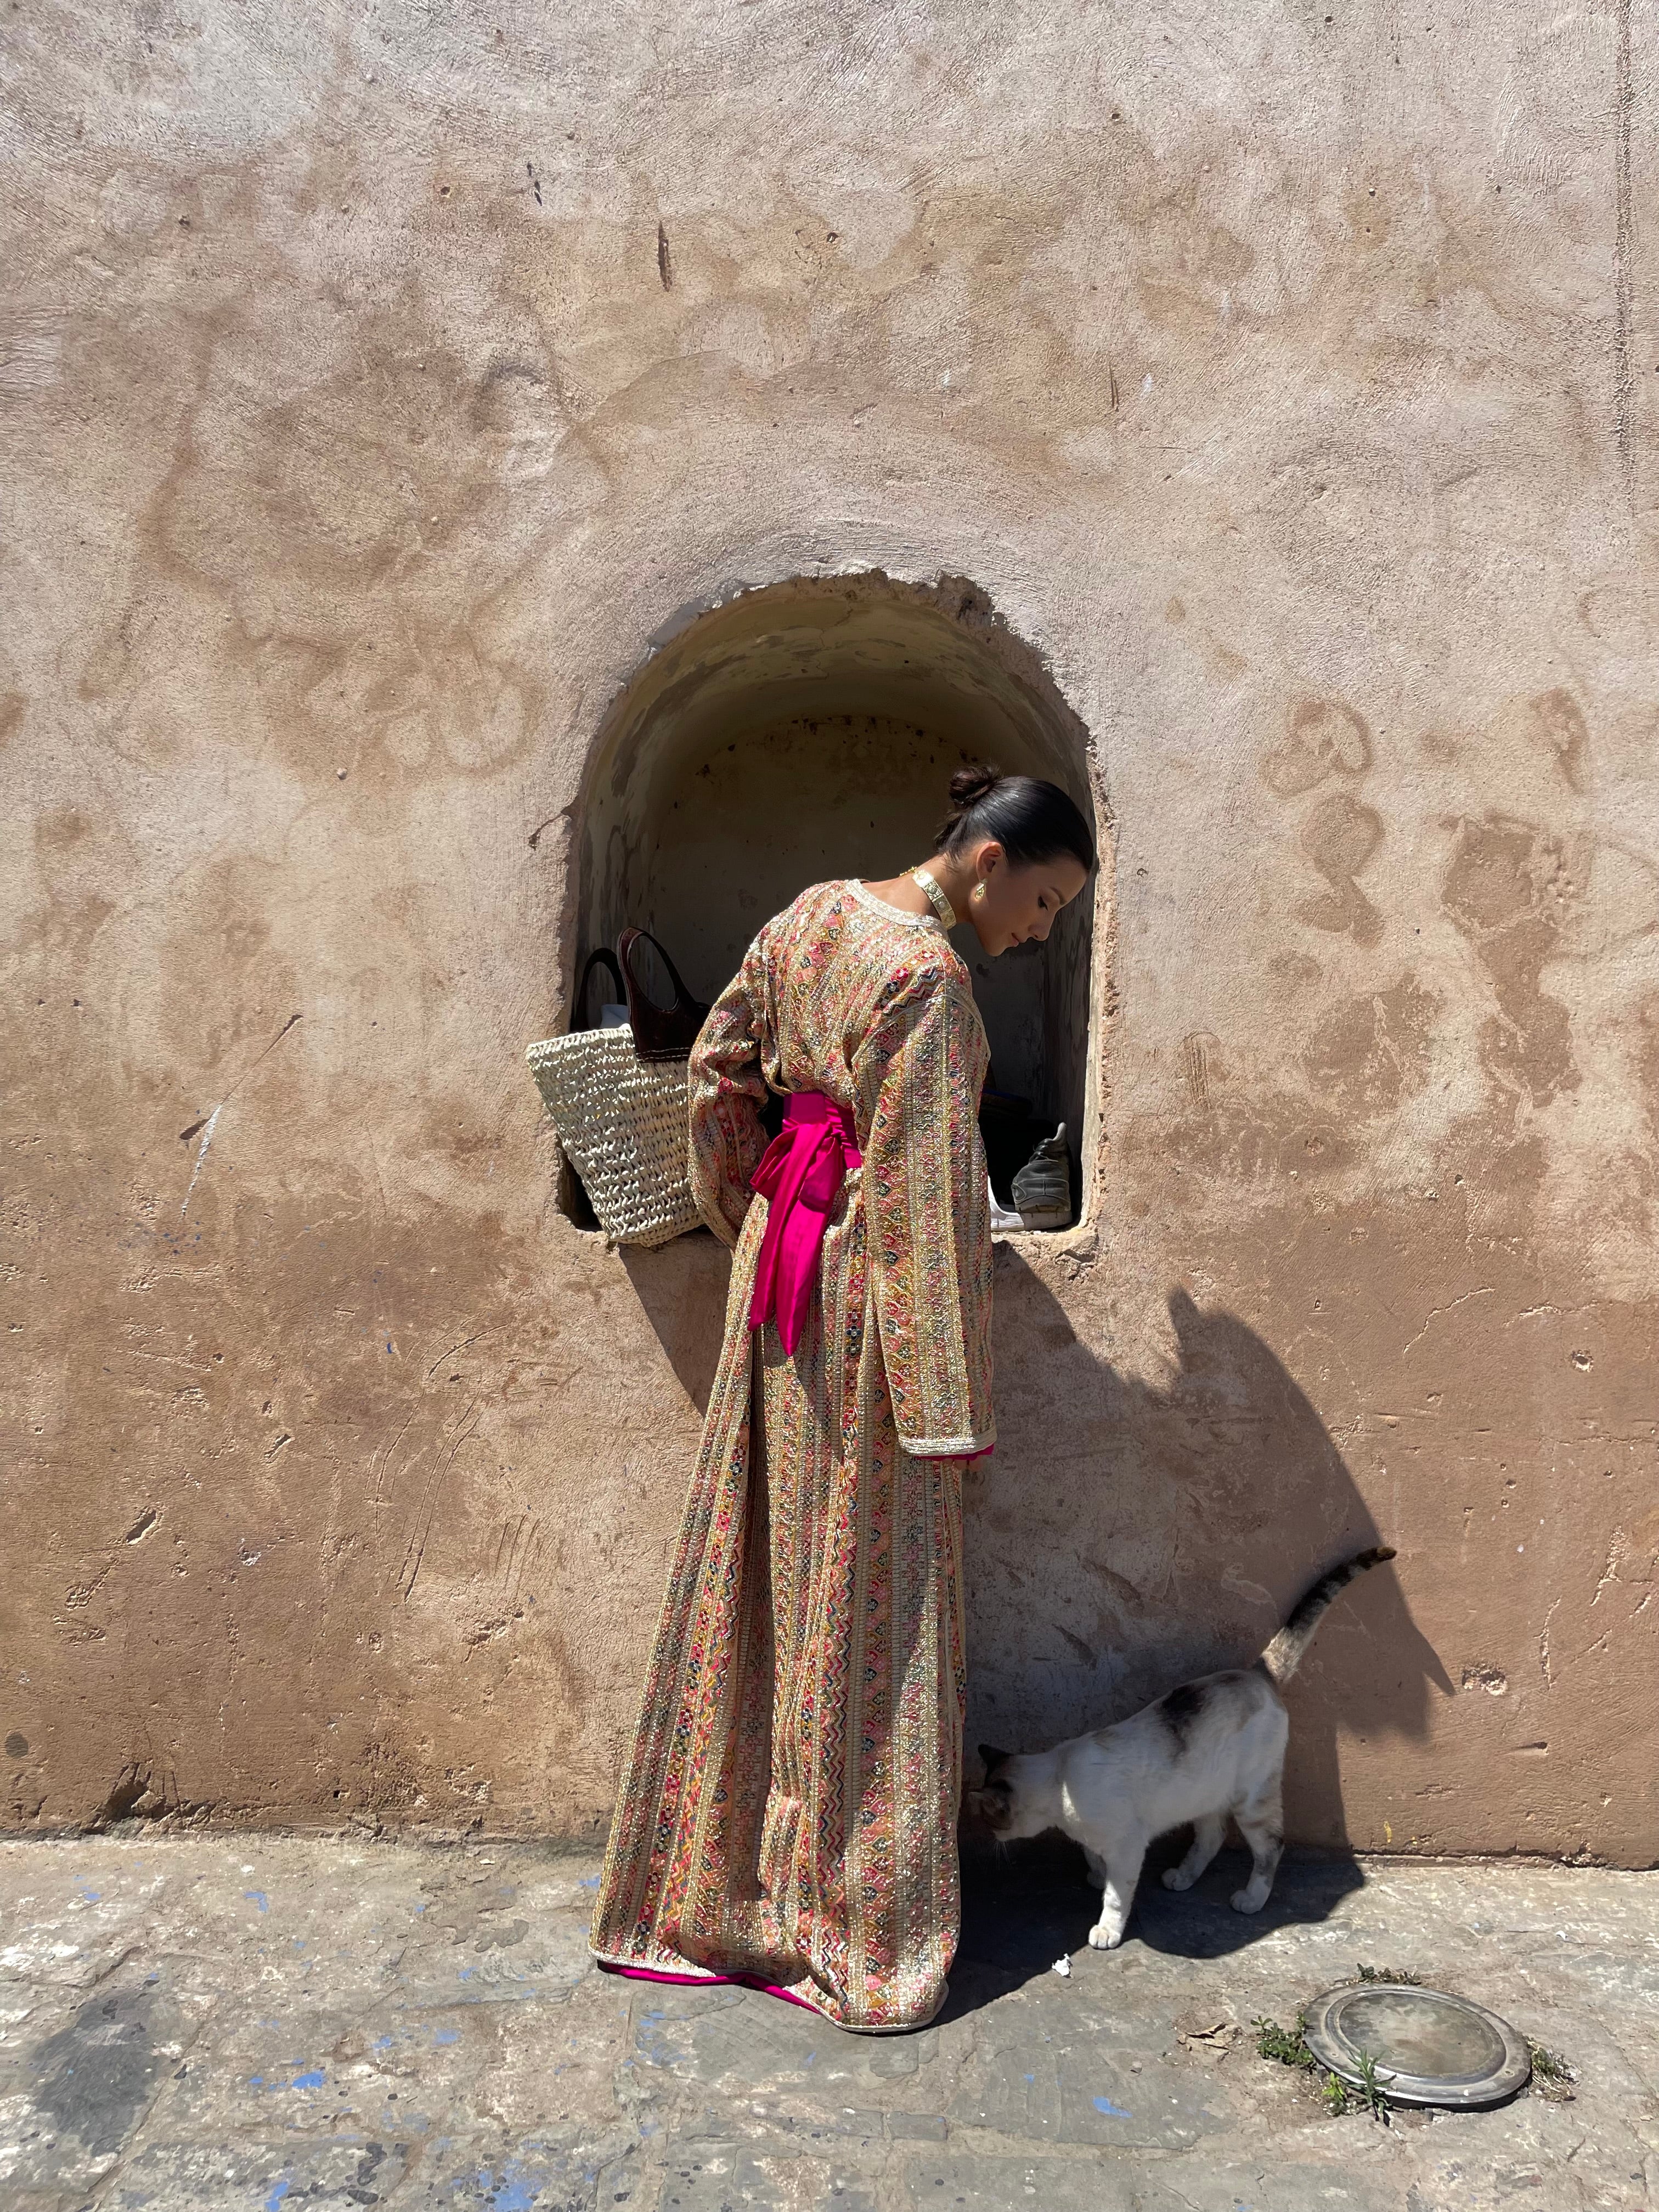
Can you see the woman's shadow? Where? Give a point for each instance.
(1124, 1536)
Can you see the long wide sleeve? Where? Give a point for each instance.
(726, 1090)
(920, 1073)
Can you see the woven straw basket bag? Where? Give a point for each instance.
(622, 1121)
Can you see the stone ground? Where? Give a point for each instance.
(259, 2024)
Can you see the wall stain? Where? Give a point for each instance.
(1559, 723)
(1509, 891)
(1322, 737)
(1341, 837)
(1372, 1053)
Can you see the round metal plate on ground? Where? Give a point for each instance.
(1428, 2047)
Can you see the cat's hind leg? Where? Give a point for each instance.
(1207, 1842)
(1261, 1823)
(1117, 1895)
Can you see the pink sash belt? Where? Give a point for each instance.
(800, 1176)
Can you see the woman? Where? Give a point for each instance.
(788, 1817)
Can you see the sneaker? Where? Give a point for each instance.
(1002, 1221)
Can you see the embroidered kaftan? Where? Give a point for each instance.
(790, 1807)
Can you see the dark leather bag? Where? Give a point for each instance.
(660, 1032)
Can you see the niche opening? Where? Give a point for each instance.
(809, 730)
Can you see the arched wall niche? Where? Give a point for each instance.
(809, 729)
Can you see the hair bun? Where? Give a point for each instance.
(969, 785)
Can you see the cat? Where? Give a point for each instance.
(1212, 1747)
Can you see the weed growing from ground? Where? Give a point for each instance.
(1285, 2045)
(1387, 1974)
(1289, 2047)
(1552, 2076)
(1335, 2091)
(1371, 2091)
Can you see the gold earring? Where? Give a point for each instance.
(979, 894)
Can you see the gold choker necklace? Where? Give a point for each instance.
(936, 898)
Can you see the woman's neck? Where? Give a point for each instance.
(907, 895)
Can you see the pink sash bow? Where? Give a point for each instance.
(800, 1176)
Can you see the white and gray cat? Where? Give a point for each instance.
(1211, 1747)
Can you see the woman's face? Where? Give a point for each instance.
(1020, 905)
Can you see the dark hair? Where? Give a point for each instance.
(1032, 820)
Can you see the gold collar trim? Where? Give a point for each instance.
(935, 896)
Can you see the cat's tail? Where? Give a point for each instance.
(1283, 1655)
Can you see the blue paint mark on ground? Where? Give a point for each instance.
(264, 1904)
(445, 2035)
(515, 2190)
(1112, 2111)
(313, 2079)
(92, 1896)
(588, 1881)
(1030, 2077)
(383, 2042)
(276, 2194)
(465, 1974)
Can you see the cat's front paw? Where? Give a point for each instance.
(1104, 1937)
(1244, 1901)
(1173, 1879)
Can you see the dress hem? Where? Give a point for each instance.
(689, 1977)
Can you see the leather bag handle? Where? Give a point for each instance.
(604, 957)
(660, 1032)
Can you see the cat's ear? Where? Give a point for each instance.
(994, 1758)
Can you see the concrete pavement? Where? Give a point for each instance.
(233, 2024)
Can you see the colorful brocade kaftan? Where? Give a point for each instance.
(789, 1810)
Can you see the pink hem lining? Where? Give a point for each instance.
(697, 1981)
